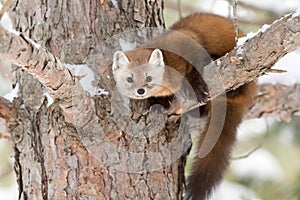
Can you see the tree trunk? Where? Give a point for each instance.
(115, 154)
(90, 144)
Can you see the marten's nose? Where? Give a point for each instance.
(141, 91)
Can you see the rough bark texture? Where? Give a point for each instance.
(57, 158)
(242, 65)
(111, 152)
(253, 59)
(280, 101)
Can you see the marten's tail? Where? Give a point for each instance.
(208, 171)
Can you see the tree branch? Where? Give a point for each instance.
(179, 9)
(37, 61)
(7, 110)
(244, 64)
(9, 113)
(251, 59)
(256, 56)
(279, 101)
(48, 69)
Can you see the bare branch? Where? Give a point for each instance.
(179, 9)
(257, 55)
(276, 71)
(279, 101)
(244, 64)
(37, 61)
(248, 6)
(49, 71)
(235, 20)
(253, 58)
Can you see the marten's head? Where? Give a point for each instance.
(138, 73)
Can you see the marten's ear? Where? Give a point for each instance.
(120, 60)
(156, 58)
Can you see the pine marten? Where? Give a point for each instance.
(143, 73)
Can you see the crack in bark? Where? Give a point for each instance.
(63, 89)
(44, 181)
(19, 174)
(65, 81)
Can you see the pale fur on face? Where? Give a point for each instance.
(138, 80)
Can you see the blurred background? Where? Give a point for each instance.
(266, 160)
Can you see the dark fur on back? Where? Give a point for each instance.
(216, 35)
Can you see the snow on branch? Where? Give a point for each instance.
(5, 7)
(256, 55)
(253, 57)
(245, 63)
(48, 69)
(37, 61)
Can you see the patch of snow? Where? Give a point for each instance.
(233, 191)
(264, 28)
(289, 62)
(12, 94)
(101, 91)
(277, 6)
(242, 40)
(6, 23)
(48, 97)
(10, 192)
(297, 12)
(36, 45)
(115, 3)
(251, 34)
(125, 46)
(222, 8)
(240, 50)
(260, 165)
(87, 79)
(287, 135)
(253, 128)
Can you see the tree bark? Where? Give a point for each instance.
(100, 158)
(280, 101)
(94, 147)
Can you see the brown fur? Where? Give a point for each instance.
(218, 38)
(216, 35)
(207, 172)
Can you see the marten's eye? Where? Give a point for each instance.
(149, 78)
(129, 80)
